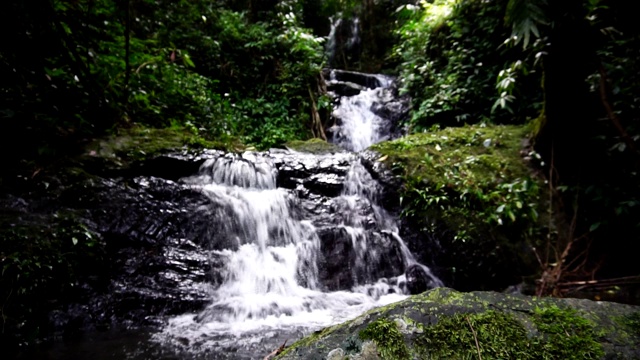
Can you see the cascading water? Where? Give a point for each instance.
(358, 124)
(344, 38)
(274, 267)
(332, 39)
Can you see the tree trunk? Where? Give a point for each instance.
(569, 107)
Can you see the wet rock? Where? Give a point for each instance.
(344, 88)
(324, 184)
(417, 279)
(337, 256)
(163, 232)
(150, 234)
(370, 81)
(353, 256)
(318, 174)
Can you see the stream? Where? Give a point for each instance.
(292, 242)
(270, 286)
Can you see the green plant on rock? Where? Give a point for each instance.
(560, 334)
(565, 335)
(470, 188)
(489, 335)
(467, 173)
(389, 340)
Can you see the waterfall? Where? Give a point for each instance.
(288, 261)
(344, 38)
(363, 100)
(332, 42)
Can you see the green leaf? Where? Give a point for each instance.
(524, 17)
(74, 240)
(187, 61)
(594, 226)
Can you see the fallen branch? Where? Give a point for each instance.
(607, 282)
(276, 352)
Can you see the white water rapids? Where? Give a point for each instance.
(360, 126)
(270, 285)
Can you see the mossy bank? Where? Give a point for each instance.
(446, 324)
(475, 191)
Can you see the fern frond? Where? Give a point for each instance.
(524, 17)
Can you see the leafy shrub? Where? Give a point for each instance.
(227, 73)
(456, 66)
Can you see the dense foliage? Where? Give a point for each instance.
(76, 69)
(247, 71)
(457, 67)
(569, 68)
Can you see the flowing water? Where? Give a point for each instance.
(360, 126)
(344, 36)
(286, 258)
(269, 286)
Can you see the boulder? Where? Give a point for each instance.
(370, 81)
(443, 323)
(344, 88)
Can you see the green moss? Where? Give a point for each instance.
(632, 322)
(499, 336)
(138, 143)
(314, 146)
(558, 334)
(446, 324)
(495, 149)
(471, 175)
(443, 296)
(390, 342)
(627, 328)
(565, 335)
(310, 340)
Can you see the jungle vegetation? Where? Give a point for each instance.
(249, 72)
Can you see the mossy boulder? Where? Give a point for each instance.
(138, 144)
(472, 202)
(313, 146)
(446, 324)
